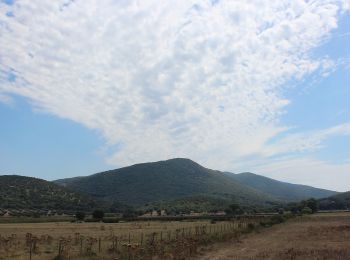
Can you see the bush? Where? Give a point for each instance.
(234, 209)
(36, 215)
(251, 226)
(306, 210)
(111, 220)
(129, 213)
(277, 219)
(80, 216)
(288, 215)
(98, 214)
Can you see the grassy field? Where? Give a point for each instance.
(320, 236)
(129, 240)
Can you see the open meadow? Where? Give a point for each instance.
(320, 236)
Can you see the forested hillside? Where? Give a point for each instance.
(165, 181)
(280, 190)
(19, 192)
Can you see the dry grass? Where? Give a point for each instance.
(321, 236)
(133, 240)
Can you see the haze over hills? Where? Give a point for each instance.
(163, 181)
(20, 192)
(278, 189)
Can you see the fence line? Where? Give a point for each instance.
(178, 243)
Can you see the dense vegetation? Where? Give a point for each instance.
(166, 181)
(19, 192)
(210, 204)
(340, 202)
(188, 204)
(280, 190)
(308, 206)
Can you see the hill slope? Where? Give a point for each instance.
(164, 181)
(338, 202)
(281, 190)
(19, 192)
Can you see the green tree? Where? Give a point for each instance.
(306, 210)
(234, 209)
(98, 214)
(80, 216)
(281, 211)
(129, 213)
(312, 204)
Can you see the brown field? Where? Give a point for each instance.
(131, 240)
(320, 236)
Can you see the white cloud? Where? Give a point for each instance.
(7, 100)
(165, 78)
(301, 142)
(309, 171)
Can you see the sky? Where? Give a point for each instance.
(259, 86)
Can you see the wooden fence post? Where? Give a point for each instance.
(59, 247)
(30, 250)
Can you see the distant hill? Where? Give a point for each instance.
(280, 190)
(162, 181)
(179, 185)
(336, 202)
(19, 192)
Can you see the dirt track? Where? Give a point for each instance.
(323, 236)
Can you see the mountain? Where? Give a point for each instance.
(338, 202)
(19, 192)
(280, 190)
(178, 184)
(161, 181)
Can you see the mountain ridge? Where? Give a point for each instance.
(191, 179)
(178, 183)
(279, 189)
(163, 180)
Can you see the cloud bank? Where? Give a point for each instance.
(162, 79)
(313, 172)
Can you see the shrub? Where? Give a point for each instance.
(234, 209)
(251, 226)
(306, 210)
(98, 214)
(80, 216)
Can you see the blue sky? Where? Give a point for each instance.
(324, 102)
(44, 146)
(89, 86)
